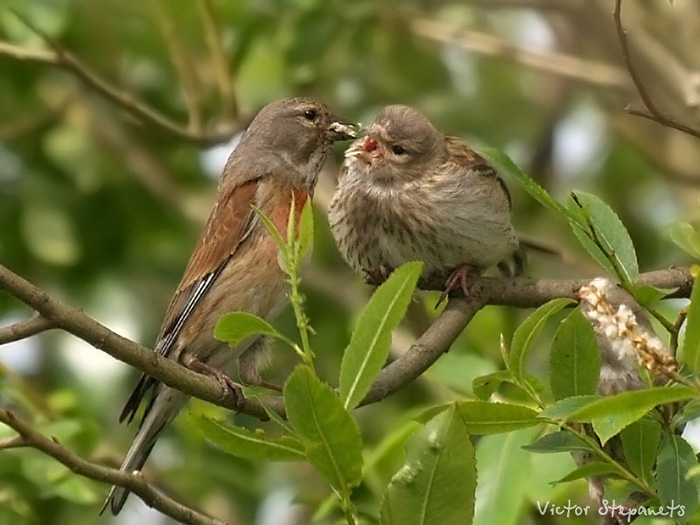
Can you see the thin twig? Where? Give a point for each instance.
(651, 112)
(24, 329)
(183, 65)
(575, 68)
(129, 480)
(221, 69)
(62, 58)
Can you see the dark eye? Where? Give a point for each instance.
(398, 150)
(310, 114)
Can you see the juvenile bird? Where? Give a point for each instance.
(407, 192)
(234, 265)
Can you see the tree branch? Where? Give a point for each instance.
(24, 329)
(63, 59)
(575, 68)
(133, 481)
(164, 370)
(518, 292)
(651, 111)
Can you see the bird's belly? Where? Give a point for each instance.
(252, 283)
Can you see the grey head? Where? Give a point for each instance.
(290, 136)
(400, 146)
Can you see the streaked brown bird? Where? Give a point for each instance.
(407, 192)
(234, 265)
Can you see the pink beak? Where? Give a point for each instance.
(371, 146)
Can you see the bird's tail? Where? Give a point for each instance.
(162, 409)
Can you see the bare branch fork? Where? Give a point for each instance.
(652, 112)
(61, 58)
(28, 437)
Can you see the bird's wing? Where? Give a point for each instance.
(229, 224)
(475, 163)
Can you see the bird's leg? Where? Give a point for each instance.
(376, 276)
(458, 277)
(228, 386)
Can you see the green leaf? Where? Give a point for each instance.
(329, 434)
(648, 295)
(627, 407)
(686, 237)
(610, 233)
(691, 342)
(370, 342)
(234, 327)
(561, 441)
(525, 335)
(574, 362)
(244, 443)
(504, 478)
(437, 482)
(593, 249)
(270, 227)
(675, 459)
(535, 190)
(482, 417)
(640, 442)
(594, 468)
(306, 229)
(561, 410)
(485, 386)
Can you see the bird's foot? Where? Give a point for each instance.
(376, 276)
(228, 386)
(459, 276)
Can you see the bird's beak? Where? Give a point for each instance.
(367, 150)
(342, 130)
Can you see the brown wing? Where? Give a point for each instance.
(469, 158)
(228, 226)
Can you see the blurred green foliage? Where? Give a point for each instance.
(102, 208)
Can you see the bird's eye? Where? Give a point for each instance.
(398, 150)
(310, 114)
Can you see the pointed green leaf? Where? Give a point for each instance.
(640, 442)
(648, 295)
(371, 339)
(675, 459)
(561, 410)
(535, 190)
(561, 441)
(504, 478)
(482, 417)
(329, 434)
(686, 237)
(270, 227)
(306, 229)
(244, 443)
(437, 482)
(627, 407)
(691, 342)
(611, 235)
(594, 468)
(574, 362)
(593, 249)
(234, 327)
(525, 335)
